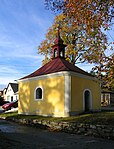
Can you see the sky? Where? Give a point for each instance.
(23, 25)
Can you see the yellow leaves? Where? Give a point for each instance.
(106, 66)
(60, 18)
(68, 59)
(88, 12)
(80, 28)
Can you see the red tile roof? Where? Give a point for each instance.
(56, 65)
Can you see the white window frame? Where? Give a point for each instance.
(35, 94)
(107, 94)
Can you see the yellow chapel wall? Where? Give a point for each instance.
(53, 97)
(78, 85)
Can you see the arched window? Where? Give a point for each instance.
(38, 93)
(55, 52)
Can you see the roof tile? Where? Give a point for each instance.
(56, 65)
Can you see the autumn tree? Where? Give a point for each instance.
(109, 75)
(82, 23)
(81, 47)
(88, 12)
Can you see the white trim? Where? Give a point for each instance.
(43, 76)
(35, 93)
(109, 98)
(62, 73)
(90, 100)
(67, 97)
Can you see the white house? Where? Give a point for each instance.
(12, 92)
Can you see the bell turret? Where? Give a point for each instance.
(58, 48)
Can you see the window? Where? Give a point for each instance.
(11, 98)
(8, 98)
(38, 93)
(16, 97)
(55, 52)
(105, 99)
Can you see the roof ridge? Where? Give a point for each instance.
(56, 65)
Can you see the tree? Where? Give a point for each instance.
(82, 23)
(105, 72)
(81, 47)
(90, 12)
(81, 26)
(108, 78)
(1, 101)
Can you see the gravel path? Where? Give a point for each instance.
(15, 136)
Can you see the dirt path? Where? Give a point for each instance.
(14, 136)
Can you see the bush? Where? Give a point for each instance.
(2, 101)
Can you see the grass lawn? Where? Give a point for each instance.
(104, 118)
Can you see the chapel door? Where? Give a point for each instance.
(87, 101)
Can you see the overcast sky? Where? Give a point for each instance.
(23, 25)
